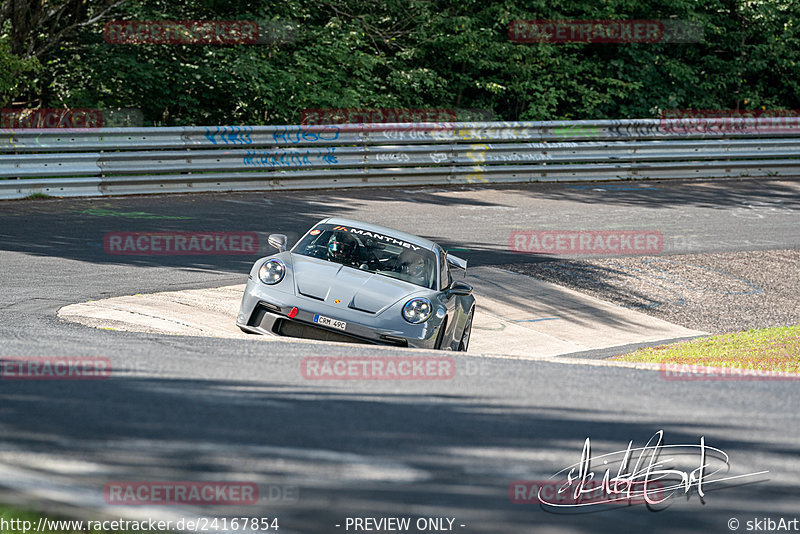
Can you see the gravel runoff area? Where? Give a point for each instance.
(716, 292)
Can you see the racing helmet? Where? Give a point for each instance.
(342, 247)
(413, 264)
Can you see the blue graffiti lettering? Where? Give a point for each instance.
(329, 157)
(289, 158)
(296, 134)
(230, 135)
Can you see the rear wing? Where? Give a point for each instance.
(455, 261)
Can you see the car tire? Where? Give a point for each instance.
(463, 345)
(440, 335)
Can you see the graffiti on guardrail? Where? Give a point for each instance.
(730, 121)
(443, 132)
(397, 157)
(510, 132)
(486, 134)
(557, 144)
(410, 134)
(510, 142)
(623, 129)
(478, 153)
(305, 134)
(230, 135)
(290, 158)
(482, 153)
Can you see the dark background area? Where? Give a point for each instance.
(408, 54)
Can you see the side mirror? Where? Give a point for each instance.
(278, 241)
(457, 262)
(459, 288)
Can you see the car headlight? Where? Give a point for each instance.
(417, 310)
(272, 272)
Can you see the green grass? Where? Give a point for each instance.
(102, 212)
(19, 515)
(770, 349)
(34, 196)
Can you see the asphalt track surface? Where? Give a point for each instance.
(183, 408)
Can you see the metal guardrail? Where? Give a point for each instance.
(117, 161)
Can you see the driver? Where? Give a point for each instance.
(413, 266)
(343, 248)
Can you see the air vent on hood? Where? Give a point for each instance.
(309, 295)
(353, 306)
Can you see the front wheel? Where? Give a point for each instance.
(464, 343)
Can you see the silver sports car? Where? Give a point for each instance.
(357, 282)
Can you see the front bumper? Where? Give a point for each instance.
(265, 310)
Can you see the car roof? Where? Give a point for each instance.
(375, 228)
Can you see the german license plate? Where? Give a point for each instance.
(327, 321)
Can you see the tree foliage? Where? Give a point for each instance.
(400, 53)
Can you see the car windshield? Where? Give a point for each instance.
(370, 251)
